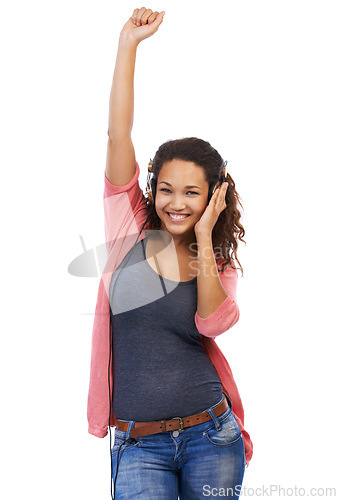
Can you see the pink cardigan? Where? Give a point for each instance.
(125, 212)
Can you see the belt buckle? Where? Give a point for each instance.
(181, 423)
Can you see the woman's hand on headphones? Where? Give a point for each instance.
(217, 204)
(142, 24)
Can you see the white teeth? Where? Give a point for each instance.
(178, 216)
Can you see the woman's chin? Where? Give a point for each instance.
(176, 229)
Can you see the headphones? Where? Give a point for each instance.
(151, 183)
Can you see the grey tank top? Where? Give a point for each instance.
(160, 368)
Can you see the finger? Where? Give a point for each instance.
(145, 16)
(223, 191)
(224, 187)
(219, 190)
(220, 199)
(157, 22)
(139, 15)
(134, 15)
(215, 196)
(152, 17)
(219, 205)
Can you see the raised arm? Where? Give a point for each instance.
(120, 159)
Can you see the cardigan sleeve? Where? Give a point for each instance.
(124, 211)
(124, 208)
(227, 313)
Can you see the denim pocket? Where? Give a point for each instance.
(122, 445)
(228, 434)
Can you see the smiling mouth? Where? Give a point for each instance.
(177, 217)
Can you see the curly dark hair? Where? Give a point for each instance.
(228, 229)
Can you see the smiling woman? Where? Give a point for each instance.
(179, 205)
(187, 163)
(157, 374)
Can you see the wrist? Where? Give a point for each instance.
(203, 236)
(127, 41)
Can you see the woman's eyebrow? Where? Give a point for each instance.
(164, 182)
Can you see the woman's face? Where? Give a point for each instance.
(182, 190)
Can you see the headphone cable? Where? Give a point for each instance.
(109, 365)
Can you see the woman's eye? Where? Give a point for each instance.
(165, 189)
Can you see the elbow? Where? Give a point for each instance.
(97, 431)
(228, 321)
(235, 315)
(215, 325)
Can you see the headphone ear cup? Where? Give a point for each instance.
(153, 185)
(149, 192)
(212, 189)
(210, 192)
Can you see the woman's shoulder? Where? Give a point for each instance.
(133, 184)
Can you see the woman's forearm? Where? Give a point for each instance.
(211, 293)
(121, 105)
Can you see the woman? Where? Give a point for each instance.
(169, 389)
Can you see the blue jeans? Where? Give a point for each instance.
(205, 460)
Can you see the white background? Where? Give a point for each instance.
(258, 80)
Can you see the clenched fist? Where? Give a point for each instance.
(142, 24)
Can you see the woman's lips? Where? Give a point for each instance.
(178, 218)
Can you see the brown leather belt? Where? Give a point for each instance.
(175, 423)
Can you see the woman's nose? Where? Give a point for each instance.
(177, 203)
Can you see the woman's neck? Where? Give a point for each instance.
(182, 241)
